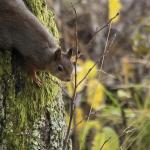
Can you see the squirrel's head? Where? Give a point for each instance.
(61, 66)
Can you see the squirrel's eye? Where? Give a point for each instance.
(60, 68)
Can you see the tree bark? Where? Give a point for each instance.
(31, 118)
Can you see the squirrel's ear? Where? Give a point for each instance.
(69, 53)
(72, 51)
(57, 54)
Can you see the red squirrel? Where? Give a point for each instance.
(21, 30)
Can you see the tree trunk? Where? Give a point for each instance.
(31, 118)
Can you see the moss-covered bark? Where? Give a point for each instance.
(31, 118)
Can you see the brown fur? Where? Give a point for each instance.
(21, 30)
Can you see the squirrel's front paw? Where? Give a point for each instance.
(32, 74)
(38, 82)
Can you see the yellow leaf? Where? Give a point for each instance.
(79, 118)
(82, 69)
(89, 64)
(95, 93)
(114, 7)
(70, 89)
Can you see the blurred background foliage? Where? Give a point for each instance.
(113, 102)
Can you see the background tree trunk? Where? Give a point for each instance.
(31, 118)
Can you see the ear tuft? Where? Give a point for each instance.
(57, 54)
(69, 53)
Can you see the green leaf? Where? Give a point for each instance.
(108, 139)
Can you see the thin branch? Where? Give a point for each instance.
(89, 71)
(105, 142)
(103, 27)
(102, 60)
(106, 45)
(85, 118)
(72, 111)
(108, 74)
(140, 61)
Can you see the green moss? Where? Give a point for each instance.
(44, 15)
(5, 61)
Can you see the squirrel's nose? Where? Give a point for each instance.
(68, 79)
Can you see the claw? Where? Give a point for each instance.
(34, 77)
(37, 81)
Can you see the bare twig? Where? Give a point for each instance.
(108, 74)
(87, 73)
(103, 27)
(72, 111)
(140, 61)
(90, 112)
(102, 60)
(90, 69)
(85, 118)
(106, 141)
(106, 45)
